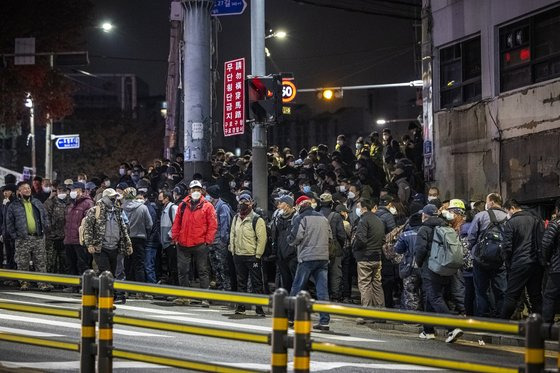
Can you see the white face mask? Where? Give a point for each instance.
(196, 196)
(358, 211)
(448, 215)
(431, 198)
(246, 184)
(73, 194)
(342, 188)
(351, 195)
(46, 189)
(313, 206)
(357, 166)
(393, 210)
(62, 195)
(107, 183)
(81, 181)
(145, 190)
(122, 171)
(359, 146)
(232, 184)
(339, 142)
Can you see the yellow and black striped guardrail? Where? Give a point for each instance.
(42, 342)
(43, 310)
(40, 277)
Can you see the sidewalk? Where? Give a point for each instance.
(486, 338)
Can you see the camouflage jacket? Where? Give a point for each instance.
(94, 229)
(56, 213)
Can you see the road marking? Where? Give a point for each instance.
(45, 296)
(26, 332)
(317, 366)
(72, 365)
(236, 325)
(64, 324)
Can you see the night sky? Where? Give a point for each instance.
(324, 46)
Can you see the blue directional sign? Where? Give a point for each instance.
(68, 142)
(228, 7)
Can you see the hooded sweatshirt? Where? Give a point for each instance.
(140, 221)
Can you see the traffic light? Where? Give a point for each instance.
(264, 98)
(329, 94)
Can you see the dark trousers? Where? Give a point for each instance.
(348, 273)
(335, 278)
(470, 299)
(184, 258)
(171, 256)
(10, 249)
(550, 297)
(106, 260)
(287, 269)
(528, 276)
(78, 260)
(135, 264)
(388, 282)
(435, 287)
(484, 279)
(248, 267)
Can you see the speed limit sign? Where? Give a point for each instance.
(288, 91)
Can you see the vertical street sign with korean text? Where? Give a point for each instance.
(234, 97)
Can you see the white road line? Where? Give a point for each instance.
(319, 366)
(71, 365)
(30, 333)
(44, 296)
(35, 320)
(236, 325)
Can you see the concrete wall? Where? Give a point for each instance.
(507, 142)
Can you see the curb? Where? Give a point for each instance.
(494, 339)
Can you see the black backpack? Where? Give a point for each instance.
(488, 250)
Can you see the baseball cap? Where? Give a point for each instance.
(68, 182)
(429, 210)
(195, 184)
(78, 185)
(90, 185)
(286, 199)
(341, 208)
(456, 204)
(326, 197)
(302, 199)
(109, 192)
(245, 197)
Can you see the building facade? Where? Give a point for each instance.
(496, 98)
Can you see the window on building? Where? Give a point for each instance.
(530, 50)
(460, 73)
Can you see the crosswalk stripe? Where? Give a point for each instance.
(64, 324)
(73, 365)
(30, 333)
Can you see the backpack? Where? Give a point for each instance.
(388, 247)
(488, 250)
(446, 254)
(82, 227)
(334, 247)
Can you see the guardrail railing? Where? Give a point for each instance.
(97, 309)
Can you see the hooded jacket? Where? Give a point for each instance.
(139, 219)
(95, 227)
(337, 227)
(279, 231)
(246, 241)
(423, 244)
(520, 245)
(551, 246)
(224, 216)
(16, 220)
(75, 212)
(387, 218)
(194, 224)
(310, 234)
(369, 238)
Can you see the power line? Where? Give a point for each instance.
(308, 2)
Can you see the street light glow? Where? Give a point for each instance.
(328, 94)
(107, 27)
(281, 34)
(381, 122)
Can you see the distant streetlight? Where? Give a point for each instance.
(277, 34)
(107, 27)
(382, 122)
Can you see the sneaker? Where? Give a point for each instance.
(45, 287)
(70, 289)
(120, 300)
(360, 321)
(182, 301)
(290, 324)
(24, 286)
(453, 335)
(425, 335)
(240, 310)
(259, 311)
(205, 304)
(321, 327)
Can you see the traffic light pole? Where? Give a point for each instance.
(259, 138)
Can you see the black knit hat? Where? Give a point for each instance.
(214, 191)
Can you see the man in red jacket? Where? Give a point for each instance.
(194, 229)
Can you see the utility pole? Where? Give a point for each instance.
(427, 104)
(48, 150)
(196, 74)
(32, 133)
(259, 139)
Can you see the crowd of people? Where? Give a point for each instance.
(356, 215)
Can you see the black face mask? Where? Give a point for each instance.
(243, 208)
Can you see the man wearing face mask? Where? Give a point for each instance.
(485, 275)
(194, 229)
(37, 189)
(366, 247)
(218, 251)
(391, 148)
(359, 146)
(353, 196)
(433, 194)
(27, 222)
(247, 242)
(387, 212)
(346, 153)
(286, 256)
(56, 212)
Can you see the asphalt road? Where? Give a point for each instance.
(240, 354)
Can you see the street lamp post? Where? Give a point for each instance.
(29, 104)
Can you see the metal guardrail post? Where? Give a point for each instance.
(534, 345)
(279, 363)
(302, 329)
(89, 303)
(105, 336)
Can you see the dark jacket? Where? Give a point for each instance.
(153, 239)
(387, 218)
(520, 243)
(279, 231)
(391, 150)
(140, 221)
(3, 220)
(56, 213)
(224, 216)
(16, 221)
(369, 238)
(337, 226)
(405, 245)
(75, 212)
(551, 246)
(423, 244)
(310, 234)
